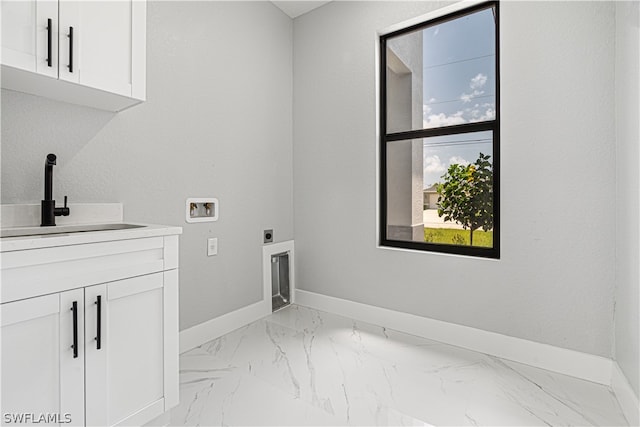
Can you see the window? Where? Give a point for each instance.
(440, 134)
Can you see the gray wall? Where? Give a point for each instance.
(555, 281)
(627, 184)
(217, 122)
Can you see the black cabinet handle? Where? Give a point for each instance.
(98, 338)
(49, 33)
(74, 308)
(70, 49)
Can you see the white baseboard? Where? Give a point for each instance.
(625, 395)
(214, 328)
(569, 362)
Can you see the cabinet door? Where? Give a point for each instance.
(26, 43)
(42, 375)
(99, 54)
(125, 375)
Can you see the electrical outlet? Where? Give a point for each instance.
(268, 236)
(212, 246)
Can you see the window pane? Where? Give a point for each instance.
(439, 189)
(442, 75)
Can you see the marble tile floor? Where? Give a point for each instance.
(300, 366)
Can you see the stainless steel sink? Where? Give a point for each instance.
(64, 229)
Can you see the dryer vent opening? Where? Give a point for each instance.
(280, 290)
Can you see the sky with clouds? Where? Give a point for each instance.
(458, 61)
(458, 87)
(442, 151)
(459, 70)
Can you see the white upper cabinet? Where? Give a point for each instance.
(93, 52)
(99, 52)
(19, 34)
(30, 36)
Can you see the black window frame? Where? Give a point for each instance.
(489, 125)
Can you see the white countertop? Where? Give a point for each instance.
(8, 244)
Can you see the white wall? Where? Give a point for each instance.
(627, 185)
(555, 281)
(217, 122)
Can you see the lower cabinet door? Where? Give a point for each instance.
(124, 351)
(43, 360)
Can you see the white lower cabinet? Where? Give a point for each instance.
(104, 354)
(124, 368)
(42, 376)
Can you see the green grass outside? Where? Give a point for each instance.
(452, 236)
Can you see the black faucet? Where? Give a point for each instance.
(49, 210)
